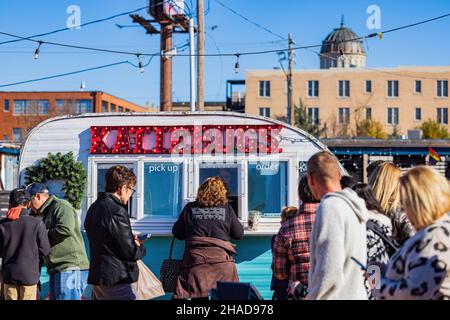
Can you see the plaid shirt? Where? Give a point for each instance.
(291, 246)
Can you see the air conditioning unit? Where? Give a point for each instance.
(415, 134)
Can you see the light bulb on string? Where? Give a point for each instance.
(140, 64)
(38, 50)
(236, 65)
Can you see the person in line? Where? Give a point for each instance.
(420, 270)
(207, 225)
(67, 264)
(291, 253)
(23, 239)
(385, 183)
(348, 182)
(338, 235)
(113, 247)
(380, 245)
(280, 287)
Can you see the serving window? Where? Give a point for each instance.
(163, 189)
(267, 187)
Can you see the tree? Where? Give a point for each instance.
(433, 130)
(370, 128)
(395, 133)
(304, 122)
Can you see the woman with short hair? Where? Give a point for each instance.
(207, 225)
(113, 247)
(420, 269)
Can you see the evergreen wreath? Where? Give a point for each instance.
(61, 167)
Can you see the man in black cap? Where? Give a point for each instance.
(67, 264)
(22, 240)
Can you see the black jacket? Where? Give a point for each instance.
(215, 222)
(21, 243)
(113, 250)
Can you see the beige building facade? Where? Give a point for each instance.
(338, 98)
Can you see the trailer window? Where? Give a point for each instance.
(163, 189)
(267, 187)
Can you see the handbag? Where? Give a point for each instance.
(170, 270)
(148, 285)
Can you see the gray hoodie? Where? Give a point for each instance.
(339, 233)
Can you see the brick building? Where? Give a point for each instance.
(21, 111)
(344, 91)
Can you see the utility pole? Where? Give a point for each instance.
(200, 57)
(290, 101)
(171, 19)
(166, 67)
(192, 61)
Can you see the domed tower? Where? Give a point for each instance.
(339, 51)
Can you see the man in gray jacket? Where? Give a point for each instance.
(339, 234)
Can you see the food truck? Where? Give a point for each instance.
(260, 159)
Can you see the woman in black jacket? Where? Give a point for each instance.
(113, 247)
(208, 225)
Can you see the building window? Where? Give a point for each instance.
(5, 137)
(392, 116)
(442, 88)
(17, 134)
(162, 179)
(105, 106)
(368, 86)
(313, 88)
(344, 115)
(392, 88)
(265, 112)
(368, 113)
(313, 115)
(70, 106)
(418, 87)
(127, 110)
(344, 88)
(31, 107)
(418, 114)
(267, 187)
(113, 107)
(6, 106)
(120, 109)
(442, 115)
(264, 88)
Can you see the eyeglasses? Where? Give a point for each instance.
(133, 191)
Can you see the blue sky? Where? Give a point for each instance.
(309, 21)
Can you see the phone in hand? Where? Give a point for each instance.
(144, 236)
(362, 266)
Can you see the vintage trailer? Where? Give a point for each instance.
(261, 160)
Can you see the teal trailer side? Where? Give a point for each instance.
(253, 261)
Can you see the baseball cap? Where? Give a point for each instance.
(18, 197)
(36, 187)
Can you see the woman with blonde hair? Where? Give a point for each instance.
(385, 183)
(207, 225)
(420, 268)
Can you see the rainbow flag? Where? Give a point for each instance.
(434, 157)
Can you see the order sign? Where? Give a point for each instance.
(193, 139)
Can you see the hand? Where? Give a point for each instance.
(136, 240)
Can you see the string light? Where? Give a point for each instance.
(38, 50)
(140, 64)
(237, 66)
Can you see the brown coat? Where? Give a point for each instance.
(205, 261)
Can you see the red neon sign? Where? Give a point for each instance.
(191, 139)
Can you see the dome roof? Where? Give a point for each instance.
(341, 38)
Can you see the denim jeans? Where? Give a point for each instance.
(68, 285)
